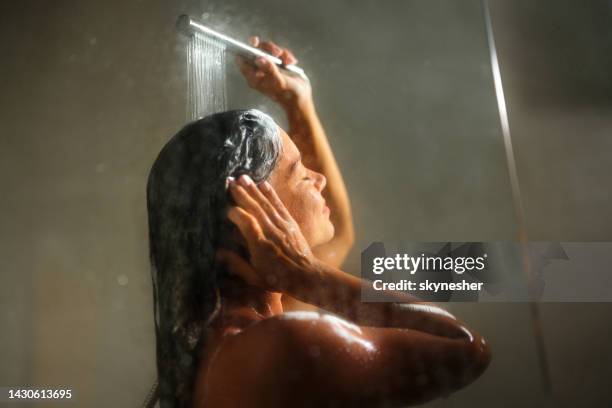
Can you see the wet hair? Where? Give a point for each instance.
(186, 203)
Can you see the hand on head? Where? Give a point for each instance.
(278, 250)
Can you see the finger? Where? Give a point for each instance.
(271, 48)
(288, 58)
(237, 265)
(270, 69)
(244, 199)
(253, 75)
(270, 193)
(248, 226)
(254, 41)
(249, 71)
(243, 62)
(265, 204)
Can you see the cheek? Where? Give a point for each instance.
(303, 207)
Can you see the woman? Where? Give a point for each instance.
(240, 215)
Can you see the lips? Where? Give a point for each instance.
(325, 207)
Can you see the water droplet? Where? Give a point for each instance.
(205, 77)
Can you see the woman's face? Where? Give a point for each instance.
(299, 188)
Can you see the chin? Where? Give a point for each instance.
(320, 233)
(330, 231)
(322, 236)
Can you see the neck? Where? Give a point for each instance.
(239, 294)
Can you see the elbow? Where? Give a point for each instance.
(468, 365)
(478, 357)
(482, 356)
(451, 371)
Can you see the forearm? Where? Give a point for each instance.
(339, 292)
(309, 136)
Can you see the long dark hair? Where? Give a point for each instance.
(186, 203)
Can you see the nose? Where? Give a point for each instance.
(320, 180)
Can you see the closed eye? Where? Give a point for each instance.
(307, 174)
(294, 166)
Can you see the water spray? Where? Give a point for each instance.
(189, 27)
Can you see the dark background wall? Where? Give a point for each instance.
(92, 90)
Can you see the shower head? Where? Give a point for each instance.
(188, 26)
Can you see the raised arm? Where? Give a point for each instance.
(294, 95)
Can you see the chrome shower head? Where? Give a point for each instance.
(188, 26)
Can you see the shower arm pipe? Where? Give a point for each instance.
(189, 27)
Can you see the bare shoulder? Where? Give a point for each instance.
(284, 359)
(305, 358)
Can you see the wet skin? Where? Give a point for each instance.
(350, 354)
(367, 355)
